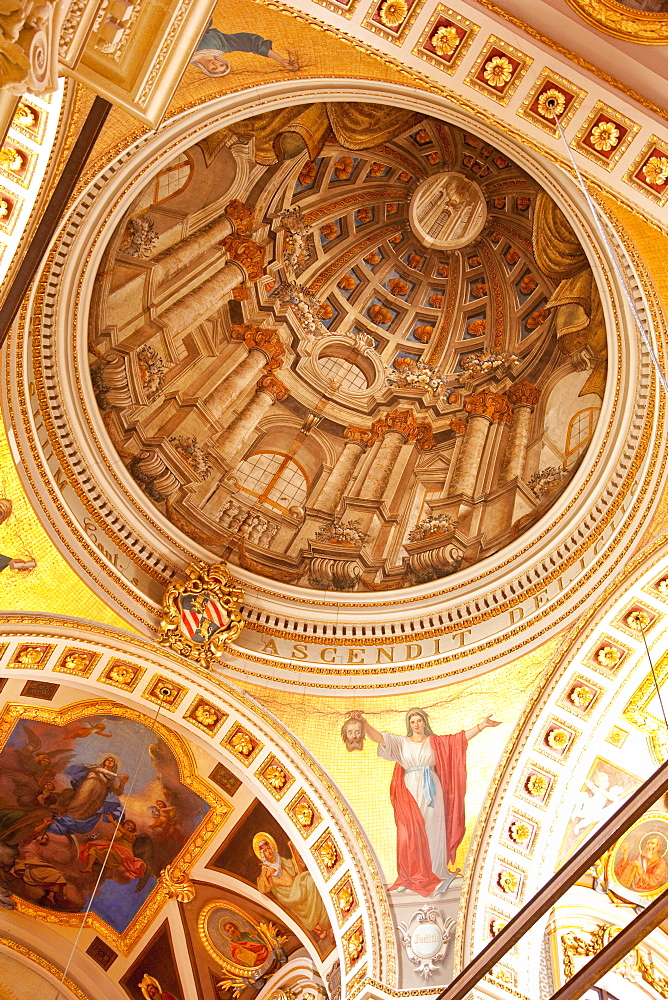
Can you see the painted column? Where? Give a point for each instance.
(245, 262)
(237, 217)
(236, 383)
(396, 429)
(483, 408)
(378, 477)
(265, 350)
(523, 397)
(202, 302)
(339, 478)
(269, 391)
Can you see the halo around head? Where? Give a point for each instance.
(146, 982)
(261, 838)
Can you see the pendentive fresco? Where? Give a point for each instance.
(347, 347)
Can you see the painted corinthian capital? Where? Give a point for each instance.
(404, 422)
(247, 253)
(257, 338)
(29, 35)
(523, 394)
(488, 404)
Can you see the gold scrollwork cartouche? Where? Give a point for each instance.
(202, 583)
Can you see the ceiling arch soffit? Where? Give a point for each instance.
(528, 600)
(594, 727)
(95, 672)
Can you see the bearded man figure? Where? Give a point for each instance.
(352, 734)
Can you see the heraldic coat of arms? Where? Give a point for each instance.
(201, 615)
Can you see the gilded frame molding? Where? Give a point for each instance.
(212, 822)
(620, 21)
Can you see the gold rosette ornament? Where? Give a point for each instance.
(346, 898)
(551, 103)
(498, 71)
(608, 656)
(581, 696)
(355, 945)
(393, 12)
(445, 40)
(656, 170)
(520, 832)
(303, 814)
(201, 615)
(10, 158)
(536, 784)
(276, 777)
(604, 136)
(639, 619)
(508, 881)
(557, 739)
(206, 715)
(242, 744)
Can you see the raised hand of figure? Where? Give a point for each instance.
(489, 722)
(356, 713)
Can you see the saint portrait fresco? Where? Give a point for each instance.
(602, 793)
(68, 822)
(258, 851)
(237, 944)
(291, 884)
(246, 950)
(154, 975)
(214, 45)
(637, 867)
(428, 789)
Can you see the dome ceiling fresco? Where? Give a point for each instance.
(392, 372)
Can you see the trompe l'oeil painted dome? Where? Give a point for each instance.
(348, 352)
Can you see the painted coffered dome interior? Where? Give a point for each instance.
(333, 500)
(402, 380)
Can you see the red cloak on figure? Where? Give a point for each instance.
(413, 855)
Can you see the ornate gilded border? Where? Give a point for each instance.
(620, 21)
(615, 118)
(357, 857)
(199, 839)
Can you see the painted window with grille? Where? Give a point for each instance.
(581, 429)
(173, 179)
(274, 479)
